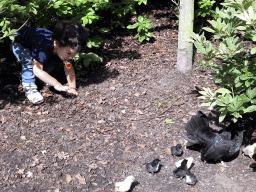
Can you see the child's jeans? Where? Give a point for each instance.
(24, 57)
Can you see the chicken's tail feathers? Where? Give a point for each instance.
(198, 131)
(197, 123)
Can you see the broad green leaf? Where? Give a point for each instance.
(237, 102)
(243, 77)
(251, 93)
(206, 104)
(242, 28)
(104, 30)
(251, 13)
(135, 25)
(141, 38)
(200, 48)
(253, 51)
(209, 29)
(149, 25)
(247, 84)
(251, 109)
(12, 38)
(140, 19)
(223, 91)
(244, 98)
(241, 17)
(222, 115)
(149, 34)
(247, 5)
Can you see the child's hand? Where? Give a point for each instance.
(72, 91)
(60, 87)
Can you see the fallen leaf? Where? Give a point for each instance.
(42, 120)
(101, 121)
(142, 146)
(3, 120)
(68, 178)
(128, 148)
(61, 128)
(137, 94)
(4, 147)
(127, 125)
(119, 162)
(45, 112)
(184, 120)
(62, 155)
(103, 162)
(80, 104)
(112, 88)
(81, 179)
(20, 171)
(68, 129)
(168, 151)
(222, 169)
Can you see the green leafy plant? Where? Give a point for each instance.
(205, 8)
(143, 25)
(168, 121)
(88, 60)
(237, 74)
(157, 103)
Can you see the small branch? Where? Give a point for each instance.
(148, 118)
(49, 2)
(2, 11)
(16, 30)
(175, 3)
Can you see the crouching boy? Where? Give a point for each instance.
(39, 51)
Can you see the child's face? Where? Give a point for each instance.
(66, 54)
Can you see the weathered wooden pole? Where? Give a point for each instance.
(185, 49)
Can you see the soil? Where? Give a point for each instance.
(130, 110)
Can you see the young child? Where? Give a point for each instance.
(39, 51)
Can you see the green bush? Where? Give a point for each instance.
(237, 73)
(90, 13)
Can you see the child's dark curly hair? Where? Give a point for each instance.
(69, 33)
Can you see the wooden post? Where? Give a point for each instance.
(185, 49)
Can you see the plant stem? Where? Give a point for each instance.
(16, 30)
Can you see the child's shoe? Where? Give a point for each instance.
(32, 94)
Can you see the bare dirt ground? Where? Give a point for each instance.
(115, 125)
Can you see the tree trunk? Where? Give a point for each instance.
(185, 49)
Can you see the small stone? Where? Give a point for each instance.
(29, 174)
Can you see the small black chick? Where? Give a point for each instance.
(153, 166)
(181, 171)
(177, 150)
(214, 145)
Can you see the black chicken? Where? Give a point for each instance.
(214, 145)
(154, 166)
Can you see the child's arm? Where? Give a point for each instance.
(45, 77)
(71, 78)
